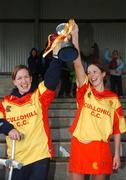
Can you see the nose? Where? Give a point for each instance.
(90, 74)
(23, 79)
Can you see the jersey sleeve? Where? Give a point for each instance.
(2, 111)
(119, 121)
(46, 95)
(5, 126)
(52, 75)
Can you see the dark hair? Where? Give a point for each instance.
(115, 51)
(33, 49)
(18, 68)
(99, 63)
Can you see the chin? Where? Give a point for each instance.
(25, 91)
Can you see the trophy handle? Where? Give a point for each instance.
(67, 30)
(48, 48)
(52, 45)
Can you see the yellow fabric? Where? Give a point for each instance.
(96, 118)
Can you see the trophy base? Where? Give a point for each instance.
(68, 53)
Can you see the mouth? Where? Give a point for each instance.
(25, 86)
(93, 81)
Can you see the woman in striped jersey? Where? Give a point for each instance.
(99, 117)
(25, 111)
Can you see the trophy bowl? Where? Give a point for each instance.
(67, 52)
(60, 28)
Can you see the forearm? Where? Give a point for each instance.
(5, 127)
(116, 158)
(79, 69)
(52, 75)
(117, 144)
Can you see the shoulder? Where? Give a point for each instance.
(7, 97)
(111, 94)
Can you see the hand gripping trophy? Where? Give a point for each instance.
(67, 52)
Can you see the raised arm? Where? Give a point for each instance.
(52, 75)
(79, 69)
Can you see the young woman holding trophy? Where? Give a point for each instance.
(25, 111)
(99, 117)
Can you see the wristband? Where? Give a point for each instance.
(55, 56)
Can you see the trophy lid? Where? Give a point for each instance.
(60, 28)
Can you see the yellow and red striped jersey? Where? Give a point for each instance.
(29, 115)
(99, 115)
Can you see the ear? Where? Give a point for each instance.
(14, 82)
(103, 74)
(31, 78)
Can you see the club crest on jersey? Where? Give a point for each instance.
(89, 94)
(30, 101)
(110, 102)
(8, 109)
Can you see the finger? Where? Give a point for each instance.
(13, 137)
(22, 136)
(116, 166)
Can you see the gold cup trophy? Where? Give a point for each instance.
(63, 34)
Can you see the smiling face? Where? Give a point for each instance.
(23, 81)
(96, 77)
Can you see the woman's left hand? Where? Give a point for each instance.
(116, 162)
(14, 134)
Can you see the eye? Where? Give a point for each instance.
(27, 76)
(19, 78)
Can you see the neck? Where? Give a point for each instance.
(100, 88)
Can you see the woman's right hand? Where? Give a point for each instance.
(15, 135)
(79, 69)
(74, 33)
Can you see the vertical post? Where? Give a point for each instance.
(12, 158)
